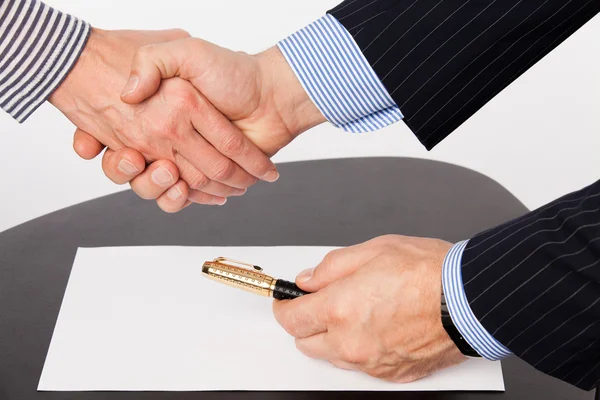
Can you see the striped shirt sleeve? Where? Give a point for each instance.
(38, 48)
(338, 78)
(462, 316)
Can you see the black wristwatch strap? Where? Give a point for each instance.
(454, 334)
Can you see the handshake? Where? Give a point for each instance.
(183, 120)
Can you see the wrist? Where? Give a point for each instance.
(62, 97)
(97, 67)
(295, 108)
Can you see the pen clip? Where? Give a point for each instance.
(234, 263)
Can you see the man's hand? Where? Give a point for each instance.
(259, 93)
(376, 308)
(165, 127)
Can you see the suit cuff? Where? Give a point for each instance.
(460, 311)
(338, 78)
(40, 46)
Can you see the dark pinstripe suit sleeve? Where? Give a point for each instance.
(534, 284)
(441, 61)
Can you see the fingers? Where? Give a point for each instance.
(205, 164)
(153, 63)
(344, 365)
(156, 180)
(175, 198)
(199, 182)
(336, 265)
(320, 347)
(231, 142)
(199, 197)
(161, 181)
(123, 165)
(85, 145)
(152, 184)
(317, 346)
(301, 317)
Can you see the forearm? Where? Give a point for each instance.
(532, 284)
(38, 48)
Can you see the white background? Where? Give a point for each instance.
(540, 138)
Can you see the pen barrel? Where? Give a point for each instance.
(241, 278)
(284, 290)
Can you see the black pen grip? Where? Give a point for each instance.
(285, 290)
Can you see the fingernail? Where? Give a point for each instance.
(240, 192)
(174, 193)
(305, 275)
(271, 176)
(127, 168)
(220, 202)
(162, 177)
(131, 85)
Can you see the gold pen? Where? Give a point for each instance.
(250, 278)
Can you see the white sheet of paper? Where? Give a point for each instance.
(145, 319)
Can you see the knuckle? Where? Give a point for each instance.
(186, 99)
(166, 128)
(178, 95)
(232, 145)
(339, 313)
(224, 170)
(144, 52)
(353, 354)
(181, 94)
(181, 33)
(386, 241)
(330, 258)
(198, 181)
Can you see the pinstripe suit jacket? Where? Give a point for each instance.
(534, 283)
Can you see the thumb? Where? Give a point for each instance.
(151, 64)
(336, 265)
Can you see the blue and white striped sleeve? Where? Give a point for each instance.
(338, 78)
(38, 48)
(460, 311)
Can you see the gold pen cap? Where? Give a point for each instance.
(241, 275)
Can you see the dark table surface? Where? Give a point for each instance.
(325, 203)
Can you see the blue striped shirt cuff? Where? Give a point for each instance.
(338, 78)
(460, 311)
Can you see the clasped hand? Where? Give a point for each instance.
(205, 117)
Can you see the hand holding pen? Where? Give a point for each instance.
(373, 307)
